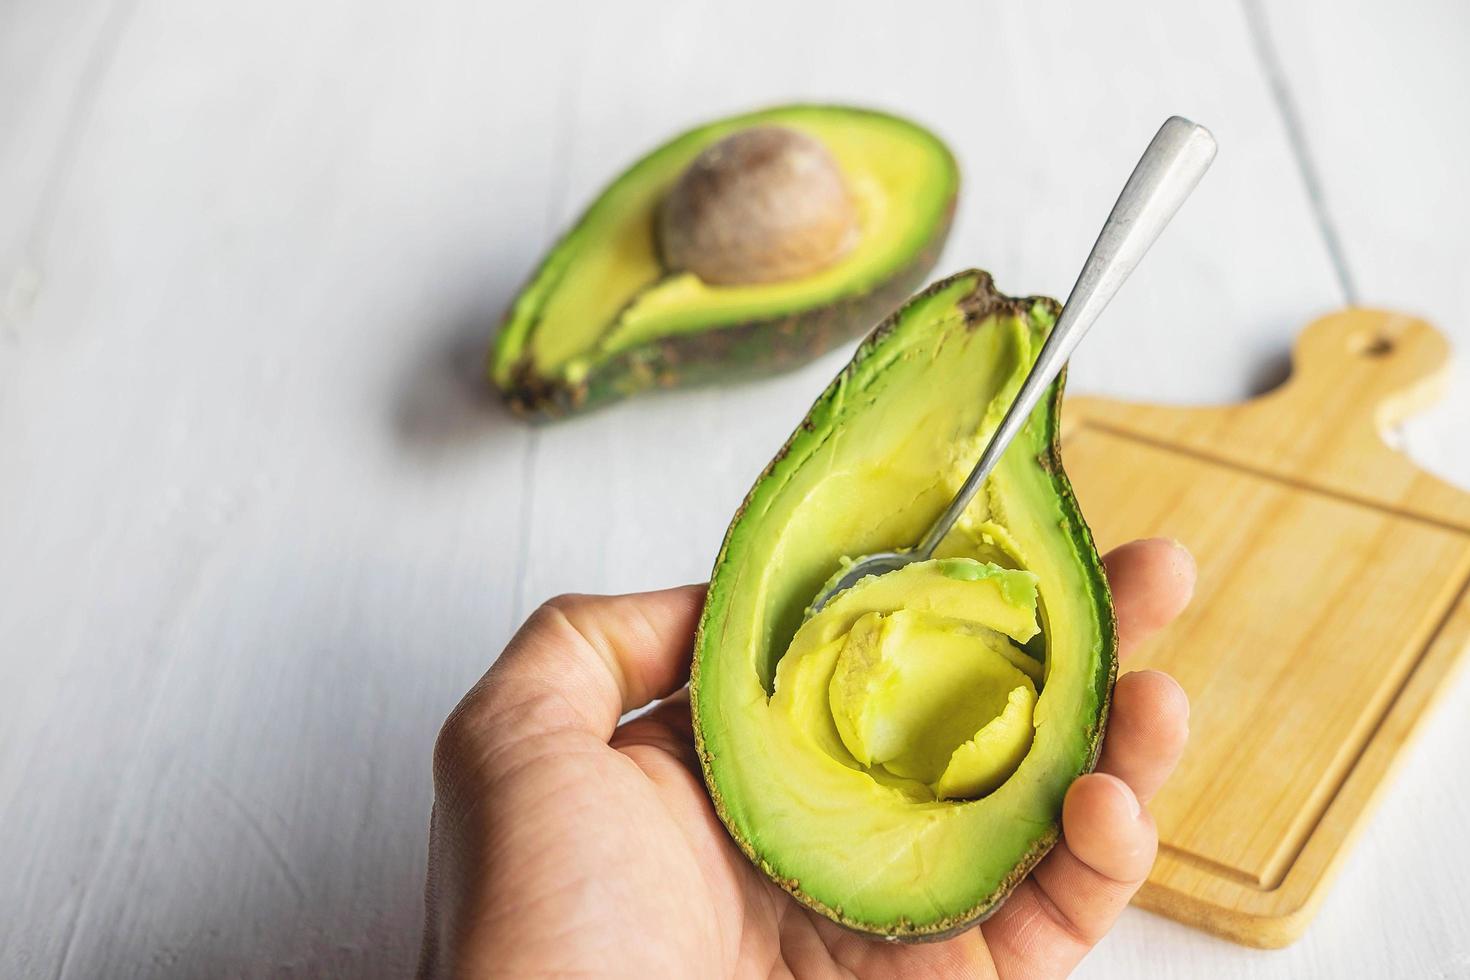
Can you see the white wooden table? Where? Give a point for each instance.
(260, 524)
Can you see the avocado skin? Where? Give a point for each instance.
(981, 302)
(729, 353)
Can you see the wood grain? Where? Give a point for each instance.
(1331, 607)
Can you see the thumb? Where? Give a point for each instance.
(580, 662)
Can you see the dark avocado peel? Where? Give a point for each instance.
(638, 295)
(898, 762)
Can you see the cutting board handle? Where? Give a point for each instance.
(1374, 365)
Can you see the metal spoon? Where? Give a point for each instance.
(1167, 172)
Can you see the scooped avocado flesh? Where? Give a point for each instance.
(929, 692)
(602, 294)
(898, 761)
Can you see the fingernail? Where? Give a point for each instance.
(1183, 694)
(1184, 553)
(1129, 799)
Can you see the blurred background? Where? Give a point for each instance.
(261, 521)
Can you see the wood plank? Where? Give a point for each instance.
(52, 57)
(266, 531)
(1378, 95)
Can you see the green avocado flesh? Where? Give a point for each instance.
(603, 318)
(898, 761)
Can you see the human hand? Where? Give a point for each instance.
(562, 842)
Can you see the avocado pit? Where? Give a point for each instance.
(765, 204)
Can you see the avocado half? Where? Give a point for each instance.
(898, 761)
(603, 317)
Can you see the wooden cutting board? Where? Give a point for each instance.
(1331, 608)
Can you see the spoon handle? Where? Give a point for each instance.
(1167, 172)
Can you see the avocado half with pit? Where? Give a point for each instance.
(742, 247)
(897, 761)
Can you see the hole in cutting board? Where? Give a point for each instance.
(1371, 345)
